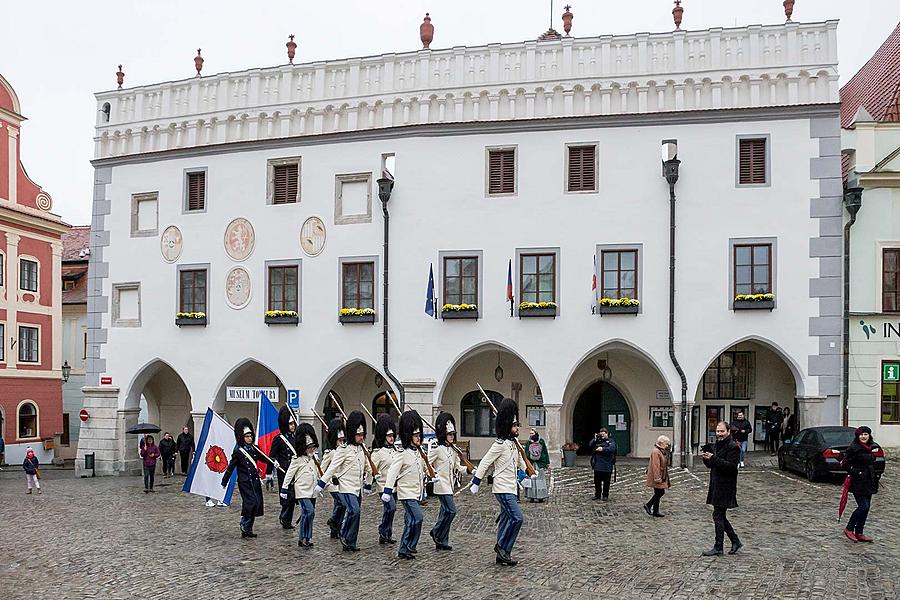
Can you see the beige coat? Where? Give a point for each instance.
(350, 466)
(507, 461)
(382, 457)
(658, 470)
(445, 462)
(327, 455)
(302, 471)
(406, 474)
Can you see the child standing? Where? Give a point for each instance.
(32, 472)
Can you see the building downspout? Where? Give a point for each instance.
(384, 310)
(852, 202)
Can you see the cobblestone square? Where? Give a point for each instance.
(103, 538)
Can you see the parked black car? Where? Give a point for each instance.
(817, 452)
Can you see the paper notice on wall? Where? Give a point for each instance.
(620, 419)
(612, 420)
(621, 427)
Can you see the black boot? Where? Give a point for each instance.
(714, 551)
(503, 558)
(735, 546)
(647, 509)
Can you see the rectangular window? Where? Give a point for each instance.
(28, 275)
(890, 280)
(284, 180)
(2, 342)
(582, 169)
(192, 291)
(283, 288)
(358, 289)
(729, 377)
(619, 273)
(144, 214)
(64, 438)
(196, 191)
(502, 171)
(753, 269)
(752, 161)
(890, 402)
(28, 344)
(662, 416)
(537, 281)
(461, 280)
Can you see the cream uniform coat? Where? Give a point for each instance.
(350, 466)
(406, 474)
(446, 464)
(327, 455)
(382, 457)
(302, 472)
(506, 461)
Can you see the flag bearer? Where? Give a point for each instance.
(445, 461)
(335, 441)
(383, 453)
(300, 481)
(243, 460)
(283, 452)
(406, 476)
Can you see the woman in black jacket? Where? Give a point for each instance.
(722, 461)
(859, 461)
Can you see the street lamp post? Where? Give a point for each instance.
(66, 371)
(385, 187)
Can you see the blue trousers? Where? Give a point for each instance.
(511, 519)
(385, 529)
(337, 513)
(350, 528)
(857, 521)
(743, 450)
(441, 529)
(307, 514)
(412, 526)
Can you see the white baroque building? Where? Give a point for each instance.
(241, 192)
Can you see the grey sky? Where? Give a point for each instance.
(56, 53)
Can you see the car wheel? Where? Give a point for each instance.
(781, 464)
(810, 472)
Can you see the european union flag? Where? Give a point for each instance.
(429, 295)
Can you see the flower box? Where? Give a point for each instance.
(459, 314)
(356, 318)
(618, 310)
(282, 320)
(190, 321)
(753, 305)
(537, 312)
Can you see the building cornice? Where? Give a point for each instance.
(16, 215)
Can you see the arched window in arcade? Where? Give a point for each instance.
(477, 417)
(330, 411)
(381, 404)
(28, 420)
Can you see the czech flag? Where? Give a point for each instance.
(509, 288)
(266, 430)
(594, 288)
(429, 294)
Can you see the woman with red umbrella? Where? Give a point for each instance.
(862, 481)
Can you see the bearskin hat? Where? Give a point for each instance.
(356, 421)
(240, 426)
(285, 416)
(335, 431)
(507, 412)
(445, 423)
(305, 437)
(410, 423)
(386, 423)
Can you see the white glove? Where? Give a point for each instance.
(474, 488)
(318, 490)
(283, 495)
(386, 498)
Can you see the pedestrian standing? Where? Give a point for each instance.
(859, 461)
(31, 465)
(742, 430)
(789, 426)
(186, 448)
(167, 449)
(149, 453)
(774, 421)
(722, 461)
(540, 458)
(244, 459)
(658, 474)
(2, 450)
(603, 461)
(405, 476)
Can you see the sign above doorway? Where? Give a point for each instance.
(250, 394)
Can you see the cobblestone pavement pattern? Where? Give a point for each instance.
(103, 538)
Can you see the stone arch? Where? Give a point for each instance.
(341, 372)
(250, 372)
(167, 398)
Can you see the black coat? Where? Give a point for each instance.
(723, 473)
(167, 447)
(604, 460)
(281, 453)
(185, 442)
(247, 480)
(860, 463)
(774, 420)
(744, 429)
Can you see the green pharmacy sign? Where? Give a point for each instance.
(890, 372)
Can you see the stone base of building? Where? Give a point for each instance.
(99, 434)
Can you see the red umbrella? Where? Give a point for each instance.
(845, 490)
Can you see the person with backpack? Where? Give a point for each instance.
(31, 465)
(540, 458)
(603, 461)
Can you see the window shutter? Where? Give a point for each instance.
(582, 168)
(197, 191)
(285, 184)
(752, 158)
(502, 171)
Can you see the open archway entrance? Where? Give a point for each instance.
(158, 395)
(353, 386)
(249, 374)
(602, 405)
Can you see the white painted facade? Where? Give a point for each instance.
(625, 94)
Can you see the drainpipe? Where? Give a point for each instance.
(853, 202)
(385, 186)
(670, 172)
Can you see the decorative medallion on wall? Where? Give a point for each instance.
(237, 287)
(312, 236)
(239, 239)
(171, 243)
(43, 201)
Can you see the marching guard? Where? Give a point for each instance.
(283, 452)
(243, 460)
(300, 481)
(507, 462)
(405, 476)
(351, 467)
(448, 469)
(336, 440)
(383, 453)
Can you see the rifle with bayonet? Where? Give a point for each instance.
(428, 468)
(363, 445)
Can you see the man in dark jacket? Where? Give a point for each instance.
(186, 448)
(742, 430)
(722, 461)
(603, 460)
(168, 448)
(283, 452)
(774, 421)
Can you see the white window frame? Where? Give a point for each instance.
(19, 343)
(293, 262)
(37, 292)
(37, 413)
(184, 185)
(136, 199)
(487, 170)
(117, 320)
(571, 145)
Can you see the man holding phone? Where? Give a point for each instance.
(603, 461)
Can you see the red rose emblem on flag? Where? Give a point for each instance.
(216, 460)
